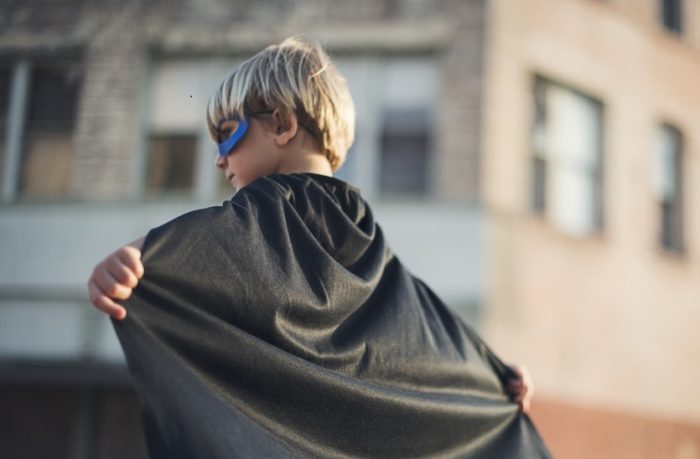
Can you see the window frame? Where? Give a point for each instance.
(671, 216)
(22, 70)
(541, 165)
(671, 16)
(370, 80)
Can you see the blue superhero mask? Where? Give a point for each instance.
(227, 145)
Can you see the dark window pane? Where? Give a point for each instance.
(539, 163)
(53, 101)
(539, 195)
(672, 15)
(171, 163)
(5, 74)
(48, 139)
(670, 227)
(672, 201)
(405, 147)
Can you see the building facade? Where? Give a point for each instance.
(591, 159)
(102, 137)
(565, 131)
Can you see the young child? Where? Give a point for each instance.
(280, 323)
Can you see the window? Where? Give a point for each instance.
(180, 158)
(668, 187)
(672, 15)
(48, 131)
(408, 90)
(395, 99)
(404, 152)
(567, 158)
(38, 113)
(171, 162)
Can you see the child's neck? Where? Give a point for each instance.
(315, 163)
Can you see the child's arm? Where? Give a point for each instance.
(115, 277)
(521, 388)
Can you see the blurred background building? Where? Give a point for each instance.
(591, 160)
(103, 137)
(531, 160)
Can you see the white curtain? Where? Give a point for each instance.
(572, 142)
(664, 167)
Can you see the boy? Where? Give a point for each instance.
(280, 324)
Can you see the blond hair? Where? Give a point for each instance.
(296, 76)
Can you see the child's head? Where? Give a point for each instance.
(295, 76)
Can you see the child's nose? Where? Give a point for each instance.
(220, 161)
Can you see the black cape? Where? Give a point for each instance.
(281, 324)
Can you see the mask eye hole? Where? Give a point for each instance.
(226, 129)
(230, 132)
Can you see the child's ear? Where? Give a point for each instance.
(286, 127)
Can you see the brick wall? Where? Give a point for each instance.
(108, 137)
(456, 169)
(580, 432)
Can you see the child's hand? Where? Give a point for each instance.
(115, 277)
(521, 388)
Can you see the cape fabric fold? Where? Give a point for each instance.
(281, 324)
